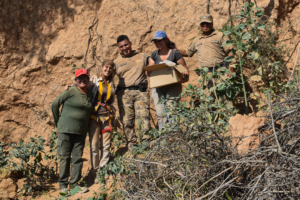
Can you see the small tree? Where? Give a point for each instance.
(256, 48)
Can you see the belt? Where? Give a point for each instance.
(129, 88)
(110, 117)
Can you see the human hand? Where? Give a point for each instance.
(185, 77)
(67, 87)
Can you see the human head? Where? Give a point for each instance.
(108, 69)
(206, 23)
(124, 45)
(81, 78)
(161, 40)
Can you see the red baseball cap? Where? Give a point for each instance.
(80, 72)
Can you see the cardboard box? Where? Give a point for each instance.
(163, 74)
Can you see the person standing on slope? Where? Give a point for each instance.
(133, 97)
(166, 52)
(100, 128)
(211, 53)
(208, 46)
(72, 127)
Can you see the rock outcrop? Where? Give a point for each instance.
(243, 129)
(8, 189)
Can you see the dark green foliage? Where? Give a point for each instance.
(28, 158)
(255, 46)
(195, 136)
(74, 67)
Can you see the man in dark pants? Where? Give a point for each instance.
(132, 94)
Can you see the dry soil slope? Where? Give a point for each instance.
(40, 41)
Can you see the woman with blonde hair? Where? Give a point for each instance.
(100, 127)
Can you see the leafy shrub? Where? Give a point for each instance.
(168, 163)
(27, 158)
(255, 48)
(194, 157)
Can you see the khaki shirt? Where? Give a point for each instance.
(209, 49)
(130, 70)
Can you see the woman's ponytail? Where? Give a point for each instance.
(170, 44)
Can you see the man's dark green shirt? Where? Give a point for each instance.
(76, 111)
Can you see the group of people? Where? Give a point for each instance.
(87, 105)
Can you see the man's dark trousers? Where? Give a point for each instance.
(70, 144)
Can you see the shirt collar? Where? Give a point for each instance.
(214, 32)
(101, 79)
(134, 52)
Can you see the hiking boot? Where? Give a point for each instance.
(129, 145)
(65, 192)
(82, 189)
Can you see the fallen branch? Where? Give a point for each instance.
(213, 178)
(217, 189)
(296, 61)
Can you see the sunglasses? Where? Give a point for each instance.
(82, 79)
(205, 24)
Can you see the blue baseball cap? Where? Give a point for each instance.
(159, 35)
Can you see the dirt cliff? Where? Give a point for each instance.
(40, 41)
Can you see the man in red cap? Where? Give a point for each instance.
(72, 127)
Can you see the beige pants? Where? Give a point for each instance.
(98, 142)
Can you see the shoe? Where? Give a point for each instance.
(65, 192)
(129, 145)
(82, 189)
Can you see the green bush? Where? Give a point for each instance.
(27, 158)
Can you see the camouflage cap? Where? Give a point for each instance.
(206, 18)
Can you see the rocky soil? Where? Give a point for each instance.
(41, 40)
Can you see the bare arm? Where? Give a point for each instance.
(183, 53)
(151, 62)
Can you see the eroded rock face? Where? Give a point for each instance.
(245, 127)
(40, 41)
(8, 189)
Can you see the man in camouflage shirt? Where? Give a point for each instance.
(133, 97)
